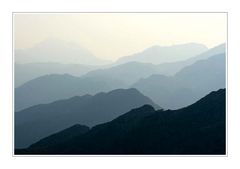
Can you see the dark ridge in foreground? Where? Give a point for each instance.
(198, 129)
(40, 121)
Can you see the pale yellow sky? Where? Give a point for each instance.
(112, 35)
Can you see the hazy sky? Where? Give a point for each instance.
(112, 35)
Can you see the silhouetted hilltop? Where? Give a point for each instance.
(39, 121)
(30, 71)
(62, 136)
(196, 129)
(49, 88)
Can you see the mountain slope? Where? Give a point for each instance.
(196, 129)
(27, 72)
(46, 88)
(49, 88)
(162, 54)
(63, 136)
(188, 85)
(128, 73)
(133, 71)
(172, 68)
(39, 121)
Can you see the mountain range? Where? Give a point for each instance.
(45, 89)
(29, 71)
(198, 129)
(49, 88)
(186, 86)
(171, 68)
(190, 83)
(132, 71)
(39, 121)
(157, 101)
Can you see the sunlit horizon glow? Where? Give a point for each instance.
(113, 35)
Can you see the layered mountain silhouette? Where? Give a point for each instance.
(131, 72)
(186, 86)
(49, 88)
(39, 121)
(46, 88)
(26, 72)
(161, 54)
(128, 73)
(67, 101)
(56, 50)
(171, 68)
(30, 71)
(193, 130)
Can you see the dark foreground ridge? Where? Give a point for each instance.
(40, 121)
(198, 129)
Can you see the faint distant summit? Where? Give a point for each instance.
(59, 51)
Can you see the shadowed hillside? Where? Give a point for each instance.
(196, 129)
(30, 71)
(49, 88)
(187, 86)
(39, 121)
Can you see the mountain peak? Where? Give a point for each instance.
(131, 90)
(146, 107)
(136, 113)
(56, 50)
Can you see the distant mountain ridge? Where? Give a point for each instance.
(199, 129)
(128, 72)
(46, 89)
(172, 68)
(39, 121)
(162, 54)
(133, 71)
(49, 88)
(34, 66)
(30, 71)
(188, 85)
(56, 50)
